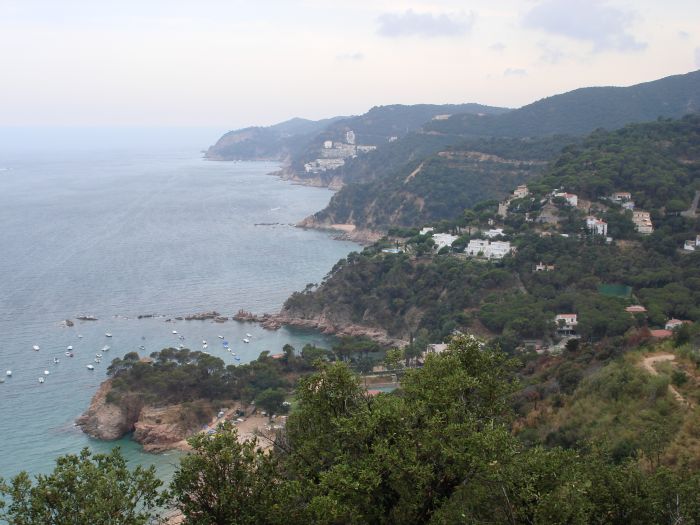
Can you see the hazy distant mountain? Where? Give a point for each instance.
(302, 139)
(581, 111)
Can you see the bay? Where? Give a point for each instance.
(122, 233)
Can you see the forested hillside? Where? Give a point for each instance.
(658, 163)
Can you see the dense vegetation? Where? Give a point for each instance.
(441, 450)
(583, 110)
(440, 186)
(659, 163)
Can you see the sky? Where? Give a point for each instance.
(231, 63)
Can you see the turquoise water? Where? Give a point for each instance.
(117, 234)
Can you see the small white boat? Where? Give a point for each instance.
(204, 342)
(175, 332)
(8, 373)
(90, 367)
(205, 345)
(181, 337)
(142, 347)
(56, 360)
(35, 348)
(80, 336)
(69, 347)
(246, 340)
(41, 380)
(46, 372)
(69, 354)
(220, 336)
(105, 348)
(237, 358)
(98, 355)
(181, 347)
(248, 335)
(108, 334)
(97, 360)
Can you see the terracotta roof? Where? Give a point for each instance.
(661, 334)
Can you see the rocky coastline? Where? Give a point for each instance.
(344, 232)
(321, 324)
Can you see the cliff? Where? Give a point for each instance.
(156, 428)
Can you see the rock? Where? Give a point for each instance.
(108, 421)
(86, 318)
(203, 316)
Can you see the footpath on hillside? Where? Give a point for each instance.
(648, 365)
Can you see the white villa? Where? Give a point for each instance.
(521, 191)
(495, 232)
(426, 230)
(488, 249)
(443, 239)
(570, 198)
(566, 323)
(596, 225)
(692, 245)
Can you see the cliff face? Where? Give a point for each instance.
(156, 428)
(108, 421)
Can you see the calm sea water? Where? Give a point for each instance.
(116, 234)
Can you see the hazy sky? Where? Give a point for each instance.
(232, 63)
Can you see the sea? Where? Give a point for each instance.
(118, 229)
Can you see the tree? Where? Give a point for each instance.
(83, 489)
(270, 400)
(223, 481)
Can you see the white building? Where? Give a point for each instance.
(570, 198)
(596, 226)
(692, 245)
(566, 323)
(495, 232)
(621, 196)
(328, 144)
(443, 239)
(488, 249)
(426, 230)
(350, 137)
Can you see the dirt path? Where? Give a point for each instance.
(648, 365)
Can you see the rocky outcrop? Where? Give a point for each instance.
(322, 324)
(348, 232)
(156, 428)
(108, 421)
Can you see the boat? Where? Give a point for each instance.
(182, 337)
(248, 335)
(205, 345)
(41, 380)
(97, 360)
(204, 341)
(69, 354)
(69, 347)
(175, 332)
(108, 334)
(46, 372)
(142, 347)
(220, 336)
(2, 379)
(98, 355)
(246, 340)
(56, 360)
(237, 358)
(90, 367)
(182, 347)
(8, 373)
(35, 348)
(80, 336)
(105, 348)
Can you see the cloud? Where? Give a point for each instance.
(595, 22)
(551, 54)
(515, 72)
(425, 25)
(498, 46)
(683, 35)
(697, 56)
(354, 57)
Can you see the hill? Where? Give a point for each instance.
(583, 110)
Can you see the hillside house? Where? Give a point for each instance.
(570, 198)
(596, 226)
(488, 249)
(692, 244)
(541, 267)
(636, 309)
(621, 196)
(672, 324)
(566, 323)
(443, 239)
(426, 230)
(495, 232)
(660, 334)
(435, 348)
(521, 191)
(642, 222)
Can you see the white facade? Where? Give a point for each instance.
(566, 323)
(642, 222)
(350, 137)
(443, 239)
(596, 226)
(570, 198)
(495, 232)
(328, 144)
(521, 191)
(488, 249)
(426, 230)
